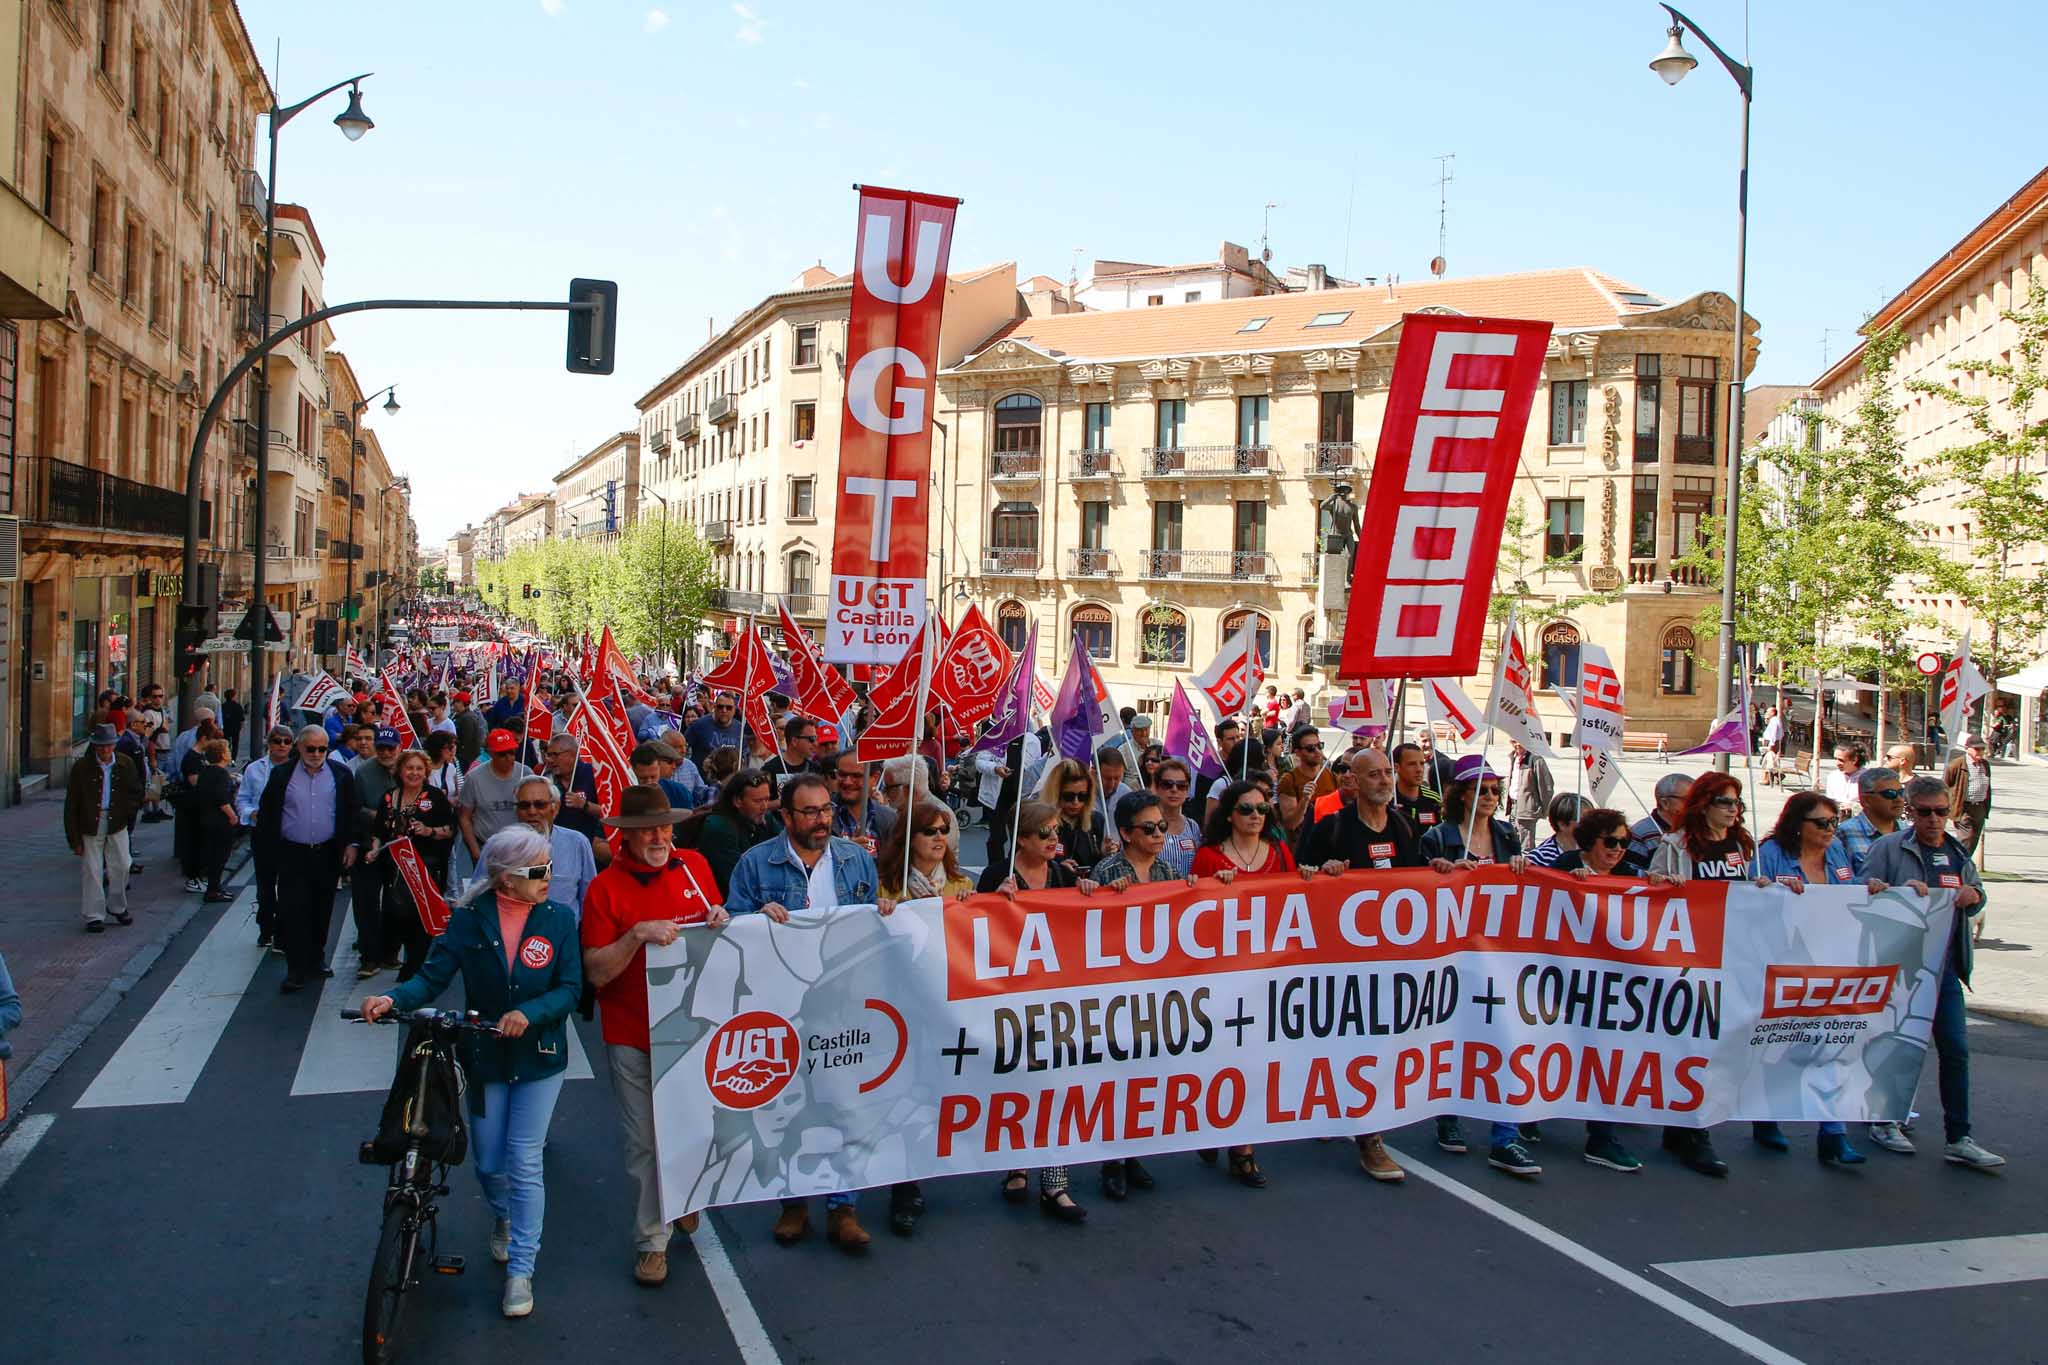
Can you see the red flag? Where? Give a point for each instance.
(540, 722)
(897, 727)
(883, 484)
(892, 680)
(395, 717)
(426, 897)
(746, 668)
(609, 766)
(612, 663)
(821, 693)
(970, 673)
(1430, 539)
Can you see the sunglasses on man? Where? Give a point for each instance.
(1149, 827)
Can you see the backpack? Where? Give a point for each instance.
(447, 1139)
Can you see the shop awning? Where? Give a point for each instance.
(2028, 681)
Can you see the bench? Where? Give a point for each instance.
(1646, 742)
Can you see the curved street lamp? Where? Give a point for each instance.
(1672, 65)
(349, 616)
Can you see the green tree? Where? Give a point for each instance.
(2000, 471)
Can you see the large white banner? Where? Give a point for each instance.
(850, 1049)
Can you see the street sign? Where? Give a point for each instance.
(1928, 663)
(245, 629)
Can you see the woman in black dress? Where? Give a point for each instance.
(213, 804)
(416, 810)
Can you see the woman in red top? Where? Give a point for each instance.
(1242, 837)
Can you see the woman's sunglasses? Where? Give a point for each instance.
(1250, 808)
(929, 830)
(539, 872)
(1611, 840)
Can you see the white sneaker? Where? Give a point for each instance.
(518, 1296)
(501, 1241)
(1889, 1137)
(194, 884)
(1966, 1152)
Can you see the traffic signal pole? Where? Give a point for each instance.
(593, 322)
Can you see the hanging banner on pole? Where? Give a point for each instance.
(1456, 410)
(883, 497)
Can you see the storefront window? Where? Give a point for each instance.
(120, 624)
(85, 653)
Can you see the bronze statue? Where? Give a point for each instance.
(1337, 528)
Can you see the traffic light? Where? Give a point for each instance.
(526, 590)
(195, 625)
(593, 331)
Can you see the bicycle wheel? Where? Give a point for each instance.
(384, 1300)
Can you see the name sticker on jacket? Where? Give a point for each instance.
(536, 953)
(1952, 880)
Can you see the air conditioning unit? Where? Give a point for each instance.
(10, 549)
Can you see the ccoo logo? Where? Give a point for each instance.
(751, 1057)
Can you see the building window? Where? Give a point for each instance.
(1192, 296)
(109, 13)
(1566, 536)
(1012, 626)
(1249, 533)
(1018, 429)
(1328, 319)
(767, 350)
(803, 574)
(1013, 527)
(1154, 300)
(1255, 324)
(1333, 420)
(1642, 518)
(1678, 654)
(802, 495)
(1252, 413)
(1095, 525)
(1560, 655)
(100, 233)
(302, 527)
(1567, 412)
(1262, 633)
(54, 168)
(1696, 408)
(1095, 427)
(1096, 630)
(1692, 502)
(1173, 417)
(1166, 526)
(1649, 395)
(158, 264)
(1162, 636)
(806, 346)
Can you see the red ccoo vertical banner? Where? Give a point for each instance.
(1456, 410)
(883, 501)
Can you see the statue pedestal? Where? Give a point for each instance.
(1333, 589)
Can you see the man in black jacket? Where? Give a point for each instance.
(308, 815)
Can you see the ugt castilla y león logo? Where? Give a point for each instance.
(751, 1057)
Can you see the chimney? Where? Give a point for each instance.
(1318, 277)
(1234, 257)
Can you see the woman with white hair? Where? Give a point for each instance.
(521, 961)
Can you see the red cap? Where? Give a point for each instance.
(362, 697)
(462, 696)
(501, 742)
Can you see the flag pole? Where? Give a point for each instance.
(1472, 815)
(923, 695)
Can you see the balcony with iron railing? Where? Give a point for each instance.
(686, 427)
(1016, 467)
(657, 440)
(722, 409)
(1009, 561)
(1216, 462)
(805, 603)
(344, 549)
(1331, 459)
(248, 318)
(1214, 566)
(1091, 563)
(733, 599)
(718, 533)
(249, 195)
(1090, 464)
(58, 493)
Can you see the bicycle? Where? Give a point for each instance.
(416, 1181)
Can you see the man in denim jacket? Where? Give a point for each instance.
(807, 868)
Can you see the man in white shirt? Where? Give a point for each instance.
(1297, 712)
(1841, 785)
(249, 796)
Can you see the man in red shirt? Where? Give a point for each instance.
(646, 895)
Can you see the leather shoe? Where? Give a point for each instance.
(843, 1229)
(291, 985)
(1061, 1206)
(1136, 1176)
(1700, 1156)
(650, 1268)
(687, 1224)
(795, 1223)
(1113, 1186)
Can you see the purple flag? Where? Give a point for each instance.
(1730, 735)
(1187, 737)
(1011, 719)
(1075, 719)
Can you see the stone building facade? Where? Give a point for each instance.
(598, 496)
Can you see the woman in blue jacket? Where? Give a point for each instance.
(521, 961)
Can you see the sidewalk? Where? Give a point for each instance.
(70, 980)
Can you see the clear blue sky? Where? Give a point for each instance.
(701, 153)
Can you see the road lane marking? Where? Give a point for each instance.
(1853, 1272)
(160, 1060)
(343, 1058)
(745, 1324)
(1756, 1348)
(26, 1135)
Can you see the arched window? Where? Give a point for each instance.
(1097, 630)
(802, 574)
(1162, 636)
(1560, 655)
(1308, 643)
(1679, 647)
(1019, 433)
(1012, 625)
(1262, 632)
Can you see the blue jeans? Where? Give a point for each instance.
(1952, 1047)
(509, 1136)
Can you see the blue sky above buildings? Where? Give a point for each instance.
(702, 153)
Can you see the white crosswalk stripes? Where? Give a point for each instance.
(1854, 1272)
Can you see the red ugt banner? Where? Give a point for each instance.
(885, 437)
(1456, 411)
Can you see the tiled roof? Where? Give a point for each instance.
(1762, 402)
(1575, 298)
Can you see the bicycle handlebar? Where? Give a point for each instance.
(448, 1018)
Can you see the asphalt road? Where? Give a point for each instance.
(173, 1199)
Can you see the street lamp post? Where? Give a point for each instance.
(1672, 65)
(660, 597)
(353, 123)
(389, 393)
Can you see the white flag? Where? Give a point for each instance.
(1603, 770)
(1447, 705)
(1602, 713)
(1511, 708)
(1232, 678)
(1962, 686)
(320, 694)
(1365, 704)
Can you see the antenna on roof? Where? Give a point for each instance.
(1074, 272)
(1825, 333)
(1266, 236)
(1443, 210)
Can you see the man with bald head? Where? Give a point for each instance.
(307, 815)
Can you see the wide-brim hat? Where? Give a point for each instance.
(1472, 768)
(642, 808)
(102, 734)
